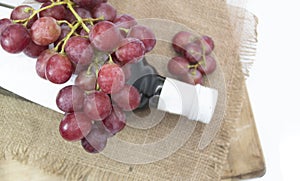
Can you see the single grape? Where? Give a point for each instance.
(15, 38)
(125, 21)
(116, 121)
(59, 69)
(178, 66)
(128, 98)
(42, 61)
(83, 13)
(131, 50)
(88, 3)
(45, 31)
(33, 50)
(3, 24)
(144, 34)
(105, 36)
(97, 105)
(111, 78)
(210, 65)
(193, 52)
(75, 126)
(207, 43)
(193, 77)
(104, 10)
(70, 99)
(79, 50)
(23, 12)
(95, 141)
(181, 40)
(57, 12)
(86, 80)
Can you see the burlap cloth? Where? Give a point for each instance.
(29, 133)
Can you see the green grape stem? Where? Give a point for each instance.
(200, 63)
(65, 40)
(79, 19)
(125, 30)
(35, 12)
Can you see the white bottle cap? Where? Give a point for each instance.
(195, 102)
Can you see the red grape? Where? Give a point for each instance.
(57, 12)
(131, 50)
(180, 41)
(3, 24)
(15, 38)
(45, 31)
(193, 52)
(178, 66)
(88, 3)
(42, 61)
(59, 69)
(23, 12)
(207, 43)
(86, 81)
(97, 106)
(95, 141)
(75, 126)
(116, 121)
(124, 21)
(128, 98)
(79, 50)
(105, 36)
(33, 50)
(193, 77)
(144, 34)
(70, 99)
(104, 10)
(111, 78)
(210, 65)
(83, 13)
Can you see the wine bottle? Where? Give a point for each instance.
(195, 102)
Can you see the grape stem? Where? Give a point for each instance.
(35, 12)
(110, 60)
(65, 40)
(200, 63)
(65, 22)
(124, 29)
(79, 19)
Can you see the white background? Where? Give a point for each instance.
(274, 85)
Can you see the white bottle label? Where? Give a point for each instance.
(195, 102)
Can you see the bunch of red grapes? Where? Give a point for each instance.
(195, 58)
(87, 38)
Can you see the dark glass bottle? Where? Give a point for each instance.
(193, 101)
